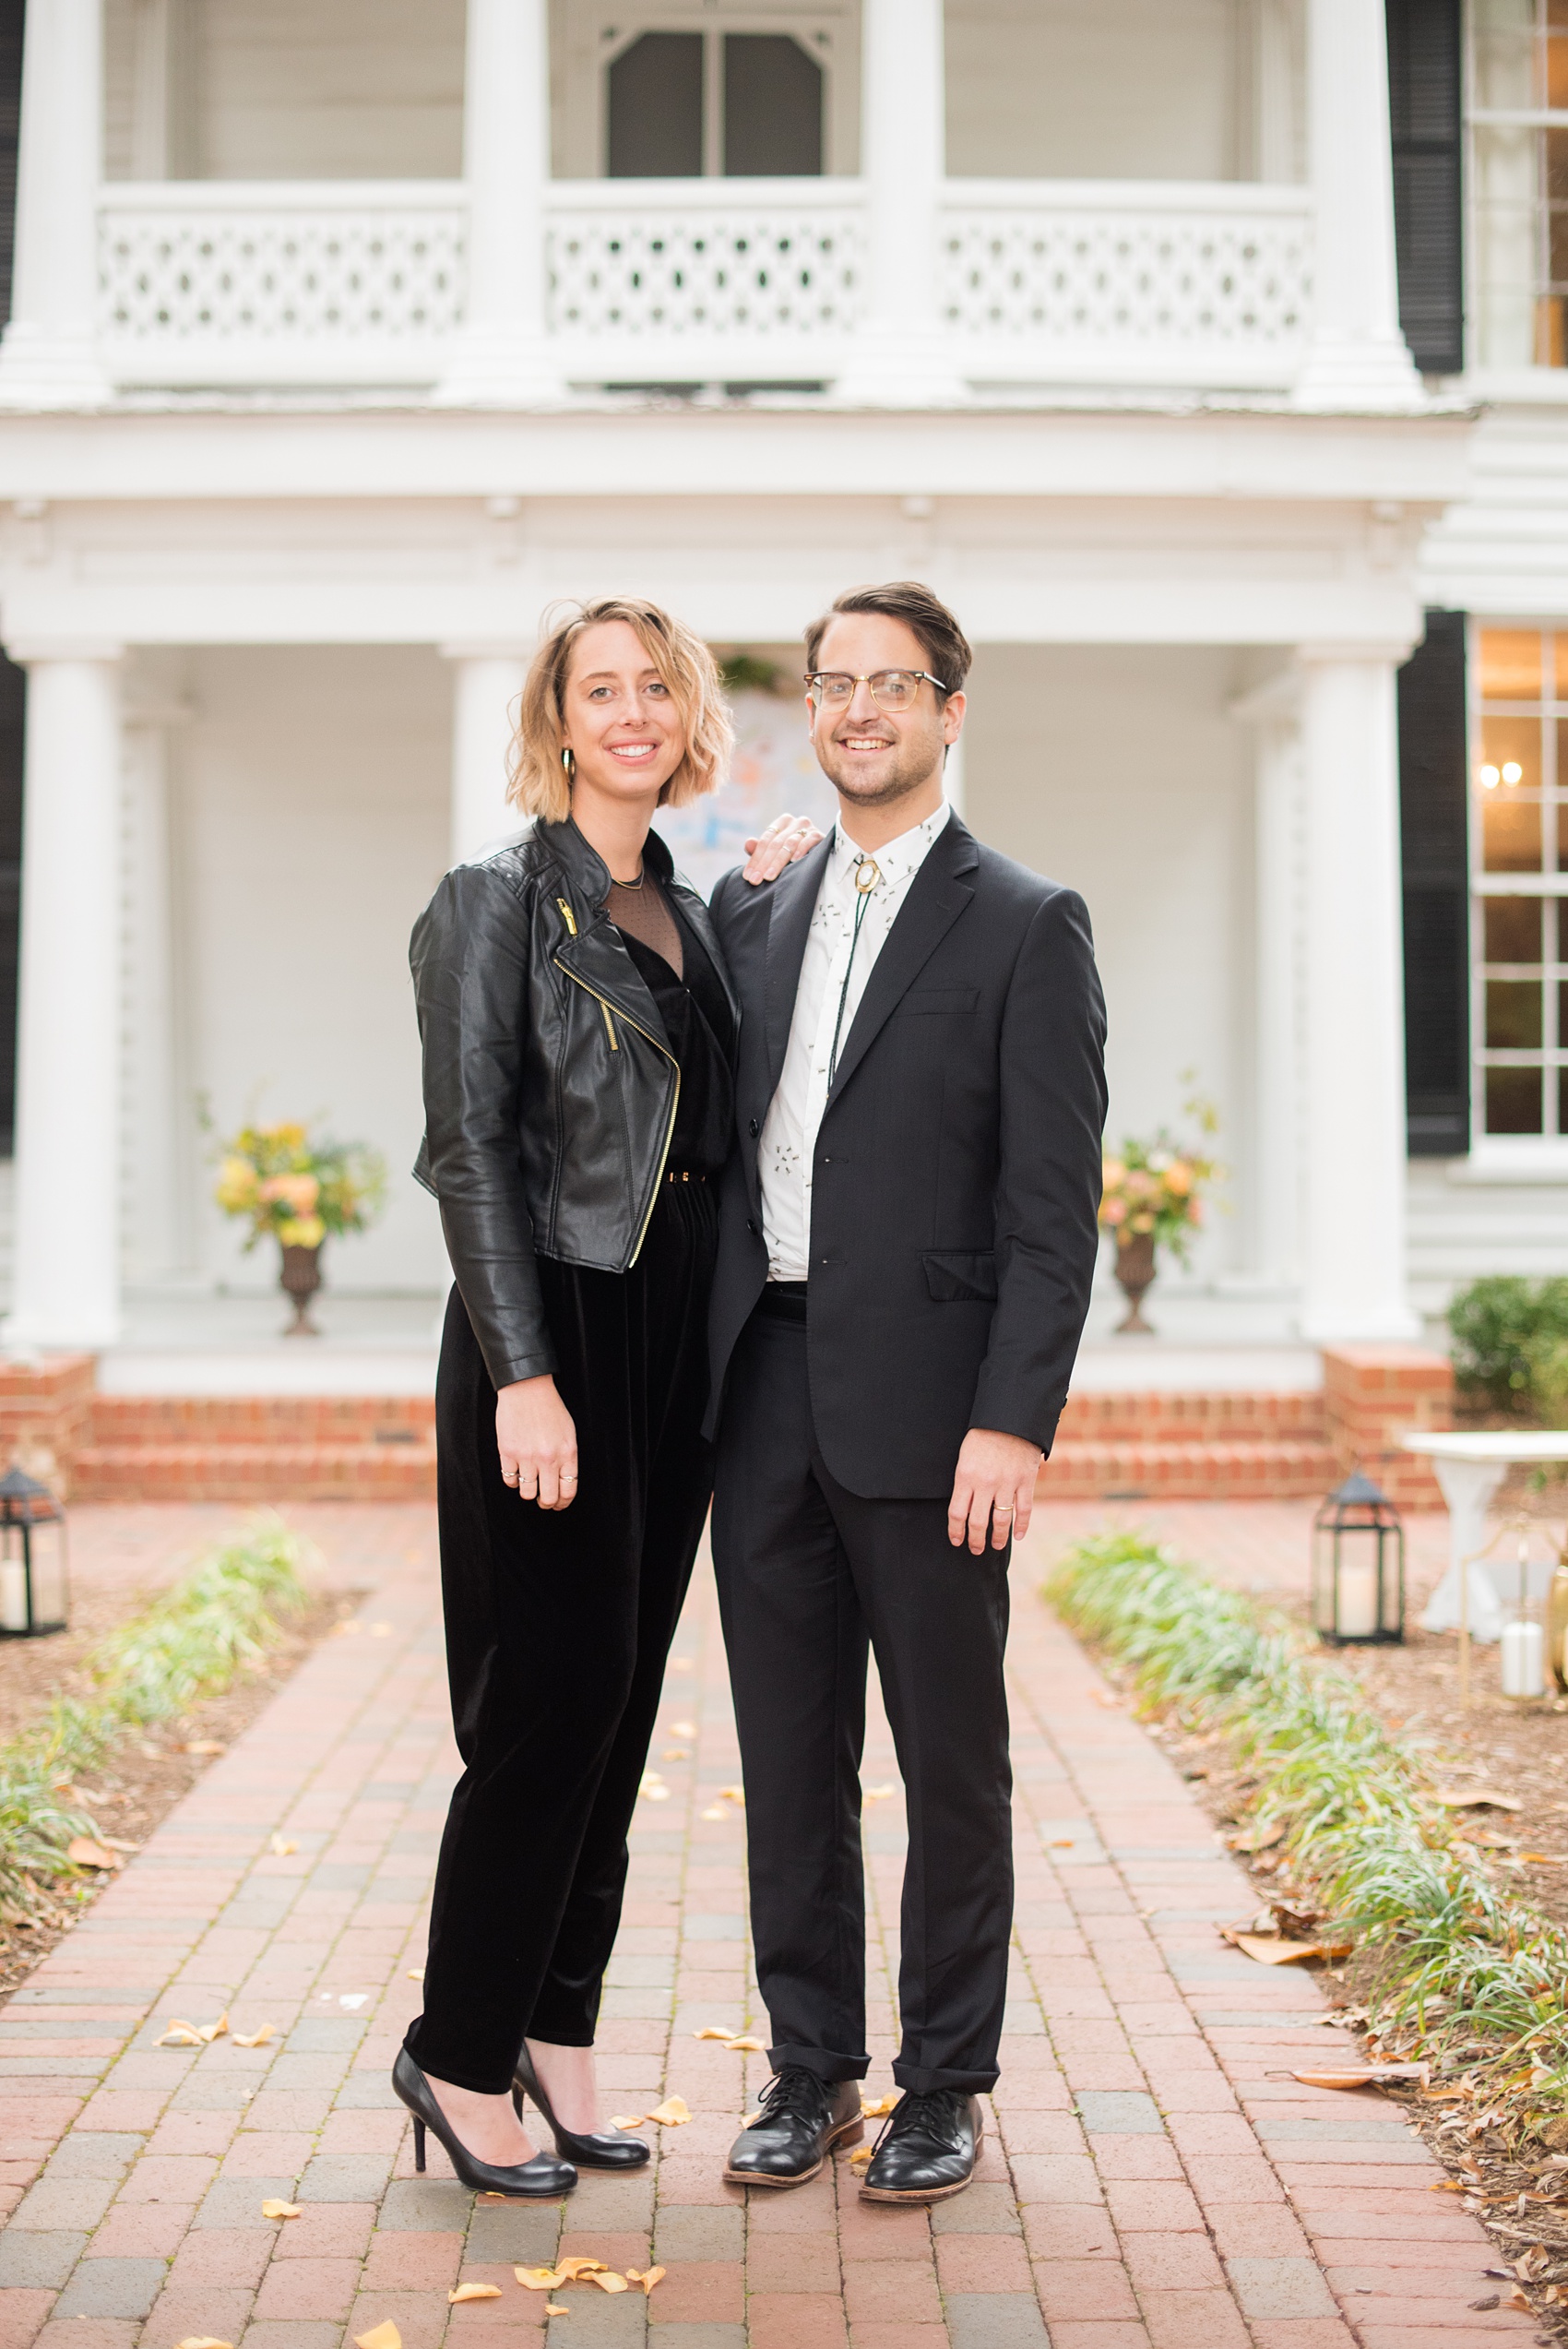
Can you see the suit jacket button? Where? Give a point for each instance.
(753, 1129)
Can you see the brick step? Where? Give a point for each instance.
(267, 1471)
(1178, 1417)
(120, 1420)
(1261, 1471)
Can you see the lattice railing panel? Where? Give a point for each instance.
(1127, 280)
(182, 280)
(779, 275)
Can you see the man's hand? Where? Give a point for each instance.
(537, 1442)
(786, 841)
(993, 1489)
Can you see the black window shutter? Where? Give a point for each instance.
(1435, 863)
(1425, 82)
(12, 681)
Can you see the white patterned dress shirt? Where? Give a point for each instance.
(794, 1116)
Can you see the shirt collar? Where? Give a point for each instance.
(898, 859)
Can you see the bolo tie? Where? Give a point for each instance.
(866, 878)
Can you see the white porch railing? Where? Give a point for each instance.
(354, 283)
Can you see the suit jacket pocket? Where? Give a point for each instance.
(961, 1276)
(937, 999)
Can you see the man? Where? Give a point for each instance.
(907, 1238)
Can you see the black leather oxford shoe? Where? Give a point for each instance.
(928, 2149)
(802, 2120)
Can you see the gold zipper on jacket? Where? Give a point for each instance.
(668, 1055)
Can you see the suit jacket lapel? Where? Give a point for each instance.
(936, 898)
(790, 907)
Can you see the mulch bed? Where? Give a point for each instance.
(148, 1771)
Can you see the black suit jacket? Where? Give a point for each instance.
(956, 1183)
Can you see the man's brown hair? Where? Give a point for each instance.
(945, 646)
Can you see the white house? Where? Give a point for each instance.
(347, 334)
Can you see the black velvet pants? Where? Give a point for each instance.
(808, 1573)
(558, 1624)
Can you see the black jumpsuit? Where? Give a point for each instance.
(558, 1622)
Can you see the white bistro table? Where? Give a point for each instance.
(1470, 1468)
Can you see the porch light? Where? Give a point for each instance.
(1490, 778)
(1357, 1565)
(34, 1595)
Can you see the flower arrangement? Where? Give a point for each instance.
(1155, 1189)
(296, 1190)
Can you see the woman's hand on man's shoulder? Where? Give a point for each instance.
(786, 841)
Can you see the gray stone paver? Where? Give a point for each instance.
(1149, 2181)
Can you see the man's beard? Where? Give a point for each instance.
(912, 770)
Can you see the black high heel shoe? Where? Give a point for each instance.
(596, 2150)
(543, 2179)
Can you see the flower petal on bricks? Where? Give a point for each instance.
(380, 2336)
(627, 2120)
(282, 1845)
(474, 2292)
(416, 1974)
(272, 2209)
(736, 1795)
(572, 2270)
(672, 2113)
(538, 2279)
(556, 2309)
(180, 2035)
(875, 2112)
(607, 2280)
(746, 2046)
(202, 2341)
(256, 2038)
(646, 2277)
(713, 1810)
(714, 2031)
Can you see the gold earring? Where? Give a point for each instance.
(568, 762)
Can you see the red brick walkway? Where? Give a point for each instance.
(1154, 2181)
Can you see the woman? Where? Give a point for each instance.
(577, 1028)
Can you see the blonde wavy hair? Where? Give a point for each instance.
(537, 781)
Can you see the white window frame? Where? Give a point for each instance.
(1539, 379)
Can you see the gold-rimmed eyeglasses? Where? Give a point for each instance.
(891, 690)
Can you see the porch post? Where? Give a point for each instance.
(1358, 357)
(899, 358)
(499, 357)
(486, 682)
(49, 357)
(67, 1151)
(1272, 711)
(1353, 1110)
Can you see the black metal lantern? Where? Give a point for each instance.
(34, 1594)
(1357, 1565)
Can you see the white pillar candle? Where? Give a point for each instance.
(1357, 1593)
(13, 1596)
(1523, 1660)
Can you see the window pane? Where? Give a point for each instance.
(1514, 1015)
(1504, 51)
(772, 107)
(1513, 1101)
(1563, 1100)
(1510, 832)
(655, 108)
(1557, 69)
(1561, 1030)
(1511, 929)
(1512, 746)
(1511, 664)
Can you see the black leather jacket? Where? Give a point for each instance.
(550, 1087)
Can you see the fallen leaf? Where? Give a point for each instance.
(1448, 2186)
(1271, 1952)
(1464, 1798)
(211, 2031)
(646, 2277)
(877, 1793)
(736, 1795)
(416, 1974)
(118, 1844)
(180, 2035)
(883, 2105)
(859, 2157)
(713, 1810)
(202, 1746)
(1361, 2075)
(1061, 1843)
(627, 2120)
(682, 1729)
(572, 2269)
(474, 2292)
(556, 2309)
(275, 2210)
(607, 2280)
(1538, 1859)
(1258, 1839)
(82, 1851)
(256, 2038)
(672, 2113)
(283, 1845)
(380, 2336)
(745, 2047)
(1516, 2299)
(714, 2031)
(537, 2278)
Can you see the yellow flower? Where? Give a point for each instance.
(235, 1190)
(1115, 1173)
(303, 1231)
(1179, 1177)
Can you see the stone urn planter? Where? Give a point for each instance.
(300, 1278)
(1134, 1272)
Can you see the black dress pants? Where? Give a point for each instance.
(558, 1624)
(807, 1573)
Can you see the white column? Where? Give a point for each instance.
(500, 358)
(486, 682)
(1273, 1176)
(1353, 1017)
(1358, 357)
(901, 358)
(67, 1282)
(155, 1202)
(49, 358)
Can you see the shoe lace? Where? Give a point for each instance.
(935, 2113)
(795, 2094)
